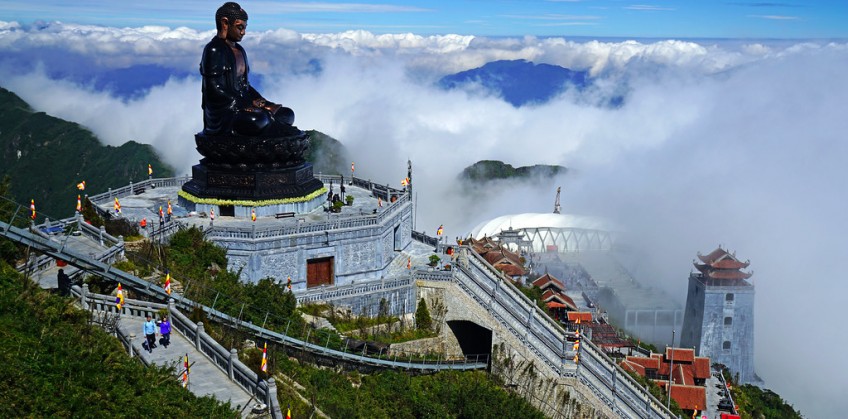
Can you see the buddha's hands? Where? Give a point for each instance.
(267, 105)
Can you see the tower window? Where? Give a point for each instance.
(728, 321)
(725, 345)
(728, 297)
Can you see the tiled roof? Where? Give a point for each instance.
(550, 295)
(702, 367)
(647, 363)
(680, 355)
(632, 366)
(584, 316)
(511, 269)
(689, 397)
(548, 280)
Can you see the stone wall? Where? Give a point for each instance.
(359, 253)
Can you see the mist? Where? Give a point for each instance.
(740, 145)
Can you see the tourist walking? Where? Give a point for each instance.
(165, 331)
(64, 283)
(149, 330)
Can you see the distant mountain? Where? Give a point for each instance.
(520, 82)
(489, 170)
(46, 157)
(327, 154)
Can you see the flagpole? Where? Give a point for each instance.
(670, 372)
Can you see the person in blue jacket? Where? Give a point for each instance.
(149, 330)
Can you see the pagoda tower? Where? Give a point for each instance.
(719, 317)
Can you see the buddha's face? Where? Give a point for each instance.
(235, 31)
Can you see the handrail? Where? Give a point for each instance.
(225, 360)
(156, 291)
(504, 292)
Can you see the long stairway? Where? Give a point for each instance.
(205, 379)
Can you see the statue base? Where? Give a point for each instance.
(273, 184)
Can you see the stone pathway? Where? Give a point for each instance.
(205, 379)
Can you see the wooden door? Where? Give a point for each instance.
(319, 272)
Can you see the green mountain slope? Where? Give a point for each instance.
(46, 157)
(327, 154)
(488, 170)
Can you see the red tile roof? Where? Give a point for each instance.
(628, 365)
(584, 316)
(551, 295)
(511, 269)
(548, 280)
(647, 363)
(680, 355)
(689, 397)
(702, 367)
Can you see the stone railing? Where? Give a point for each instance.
(310, 227)
(547, 340)
(226, 360)
(136, 188)
(384, 192)
(332, 293)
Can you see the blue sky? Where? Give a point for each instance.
(817, 19)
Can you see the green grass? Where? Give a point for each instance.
(54, 364)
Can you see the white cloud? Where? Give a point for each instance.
(740, 144)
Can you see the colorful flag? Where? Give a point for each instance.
(185, 371)
(212, 214)
(440, 230)
(32, 208)
(119, 299)
(168, 282)
(404, 182)
(409, 263)
(253, 214)
(264, 365)
(170, 210)
(288, 283)
(149, 170)
(576, 359)
(81, 186)
(695, 412)
(288, 413)
(351, 167)
(79, 204)
(379, 202)
(117, 206)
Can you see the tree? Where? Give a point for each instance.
(422, 316)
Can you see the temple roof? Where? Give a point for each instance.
(688, 397)
(550, 295)
(680, 355)
(720, 264)
(584, 316)
(549, 281)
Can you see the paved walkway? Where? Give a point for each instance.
(205, 378)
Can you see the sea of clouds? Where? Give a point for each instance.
(736, 143)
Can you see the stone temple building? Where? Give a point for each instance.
(719, 316)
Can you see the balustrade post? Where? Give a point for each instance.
(232, 360)
(197, 338)
(271, 401)
(121, 243)
(84, 297)
(102, 232)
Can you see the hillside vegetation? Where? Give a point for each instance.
(54, 364)
(488, 170)
(46, 157)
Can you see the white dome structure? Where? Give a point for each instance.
(551, 232)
